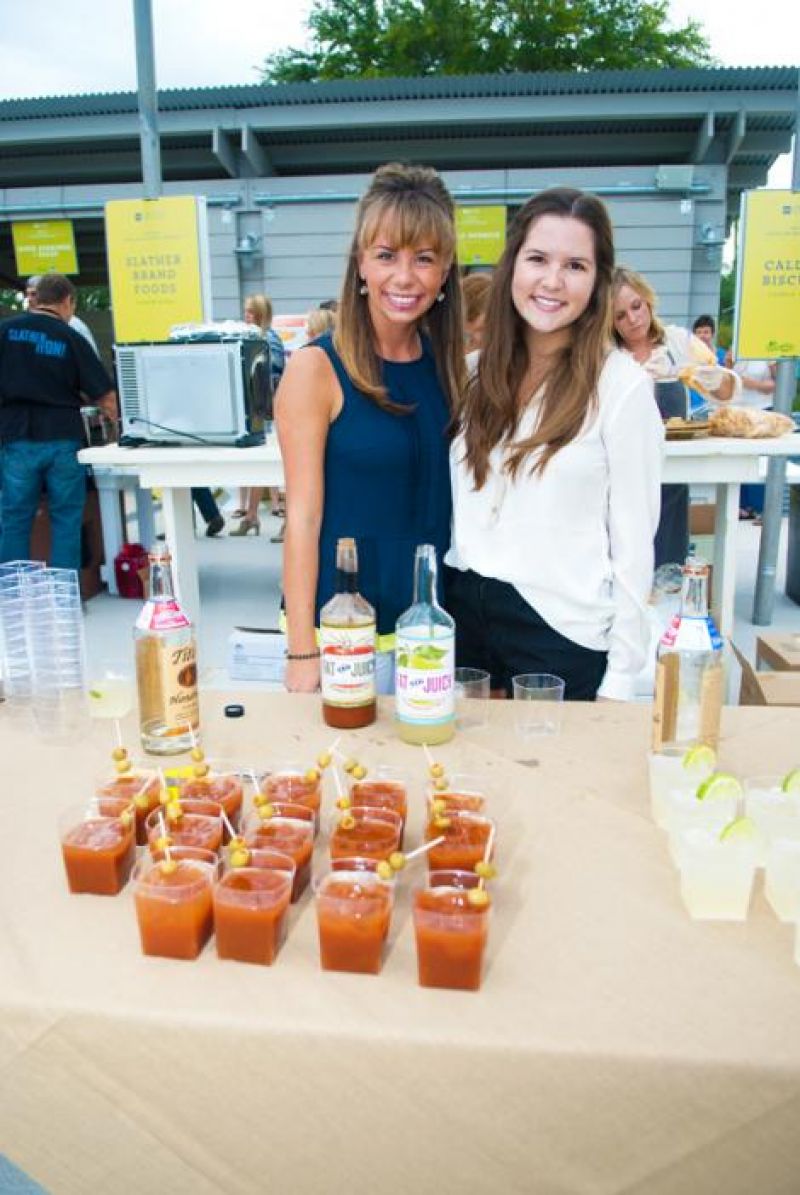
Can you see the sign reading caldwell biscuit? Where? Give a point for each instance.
(768, 277)
(44, 245)
(481, 235)
(158, 265)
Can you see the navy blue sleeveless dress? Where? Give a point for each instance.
(387, 483)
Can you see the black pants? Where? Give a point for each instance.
(205, 502)
(498, 631)
(671, 545)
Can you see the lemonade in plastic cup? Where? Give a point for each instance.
(774, 811)
(677, 768)
(717, 872)
(782, 877)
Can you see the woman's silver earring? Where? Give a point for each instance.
(440, 298)
(363, 288)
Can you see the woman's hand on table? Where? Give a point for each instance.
(302, 676)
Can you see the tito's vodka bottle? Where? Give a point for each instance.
(688, 699)
(166, 666)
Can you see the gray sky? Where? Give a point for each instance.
(55, 48)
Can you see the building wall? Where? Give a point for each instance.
(303, 228)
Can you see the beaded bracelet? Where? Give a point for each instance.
(302, 655)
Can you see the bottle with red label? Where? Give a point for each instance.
(347, 648)
(166, 666)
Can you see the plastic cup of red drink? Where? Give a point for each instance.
(386, 788)
(354, 910)
(251, 901)
(465, 837)
(289, 781)
(173, 898)
(141, 786)
(98, 844)
(201, 829)
(289, 829)
(450, 932)
(369, 833)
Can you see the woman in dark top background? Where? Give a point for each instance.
(362, 414)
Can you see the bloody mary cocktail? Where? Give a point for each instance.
(370, 833)
(450, 932)
(98, 851)
(353, 914)
(463, 792)
(291, 783)
(188, 829)
(388, 789)
(221, 785)
(140, 786)
(465, 838)
(174, 903)
(290, 830)
(250, 906)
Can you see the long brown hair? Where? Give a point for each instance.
(493, 400)
(637, 282)
(412, 206)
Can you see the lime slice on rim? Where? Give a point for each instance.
(699, 758)
(741, 829)
(718, 787)
(791, 783)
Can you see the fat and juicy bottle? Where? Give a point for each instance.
(166, 666)
(689, 679)
(425, 661)
(347, 648)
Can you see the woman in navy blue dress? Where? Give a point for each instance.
(362, 414)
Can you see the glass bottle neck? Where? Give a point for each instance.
(425, 576)
(694, 595)
(346, 581)
(161, 581)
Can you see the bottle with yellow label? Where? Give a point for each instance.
(166, 666)
(425, 661)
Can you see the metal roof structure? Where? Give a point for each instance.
(741, 117)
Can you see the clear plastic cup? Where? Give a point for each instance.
(288, 828)
(538, 703)
(472, 689)
(288, 780)
(450, 932)
(384, 788)
(187, 829)
(98, 845)
(251, 901)
(465, 838)
(464, 791)
(354, 910)
(716, 875)
(173, 898)
(364, 831)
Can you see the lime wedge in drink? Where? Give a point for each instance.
(741, 829)
(791, 783)
(699, 758)
(718, 787)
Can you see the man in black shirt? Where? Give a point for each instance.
(47, 371)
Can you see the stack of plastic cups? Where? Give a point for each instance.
(54, 622)
(15, 657)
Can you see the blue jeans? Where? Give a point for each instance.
(28, 467)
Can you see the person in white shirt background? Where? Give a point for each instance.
(555, 467)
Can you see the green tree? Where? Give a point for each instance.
(364, 39)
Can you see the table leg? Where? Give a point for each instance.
(108, 494)
(724, 581)
(145, 517)
(179, 530)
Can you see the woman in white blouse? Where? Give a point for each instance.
(555, 467)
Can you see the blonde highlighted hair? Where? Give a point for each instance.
(411, 206)
(261, 308)
(495, 397)
(637, 282)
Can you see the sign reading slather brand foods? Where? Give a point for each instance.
(44, 245)
(768, 279)
(481, 235)
(158, 265)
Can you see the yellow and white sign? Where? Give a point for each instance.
(481, 235)
(158, 265)
(44, 245)
(768, 279)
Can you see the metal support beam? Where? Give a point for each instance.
(223, 147)
(737, 135)
(255, 153)
(705, 135)
(148, 102)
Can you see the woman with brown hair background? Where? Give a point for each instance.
(555, 467)
(362, 413)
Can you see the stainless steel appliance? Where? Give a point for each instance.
(197, 392)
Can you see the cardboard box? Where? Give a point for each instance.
(766, 688)
(780, 651)
(701, 518)
(256, 653)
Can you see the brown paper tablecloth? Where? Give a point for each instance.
(616, 1046)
